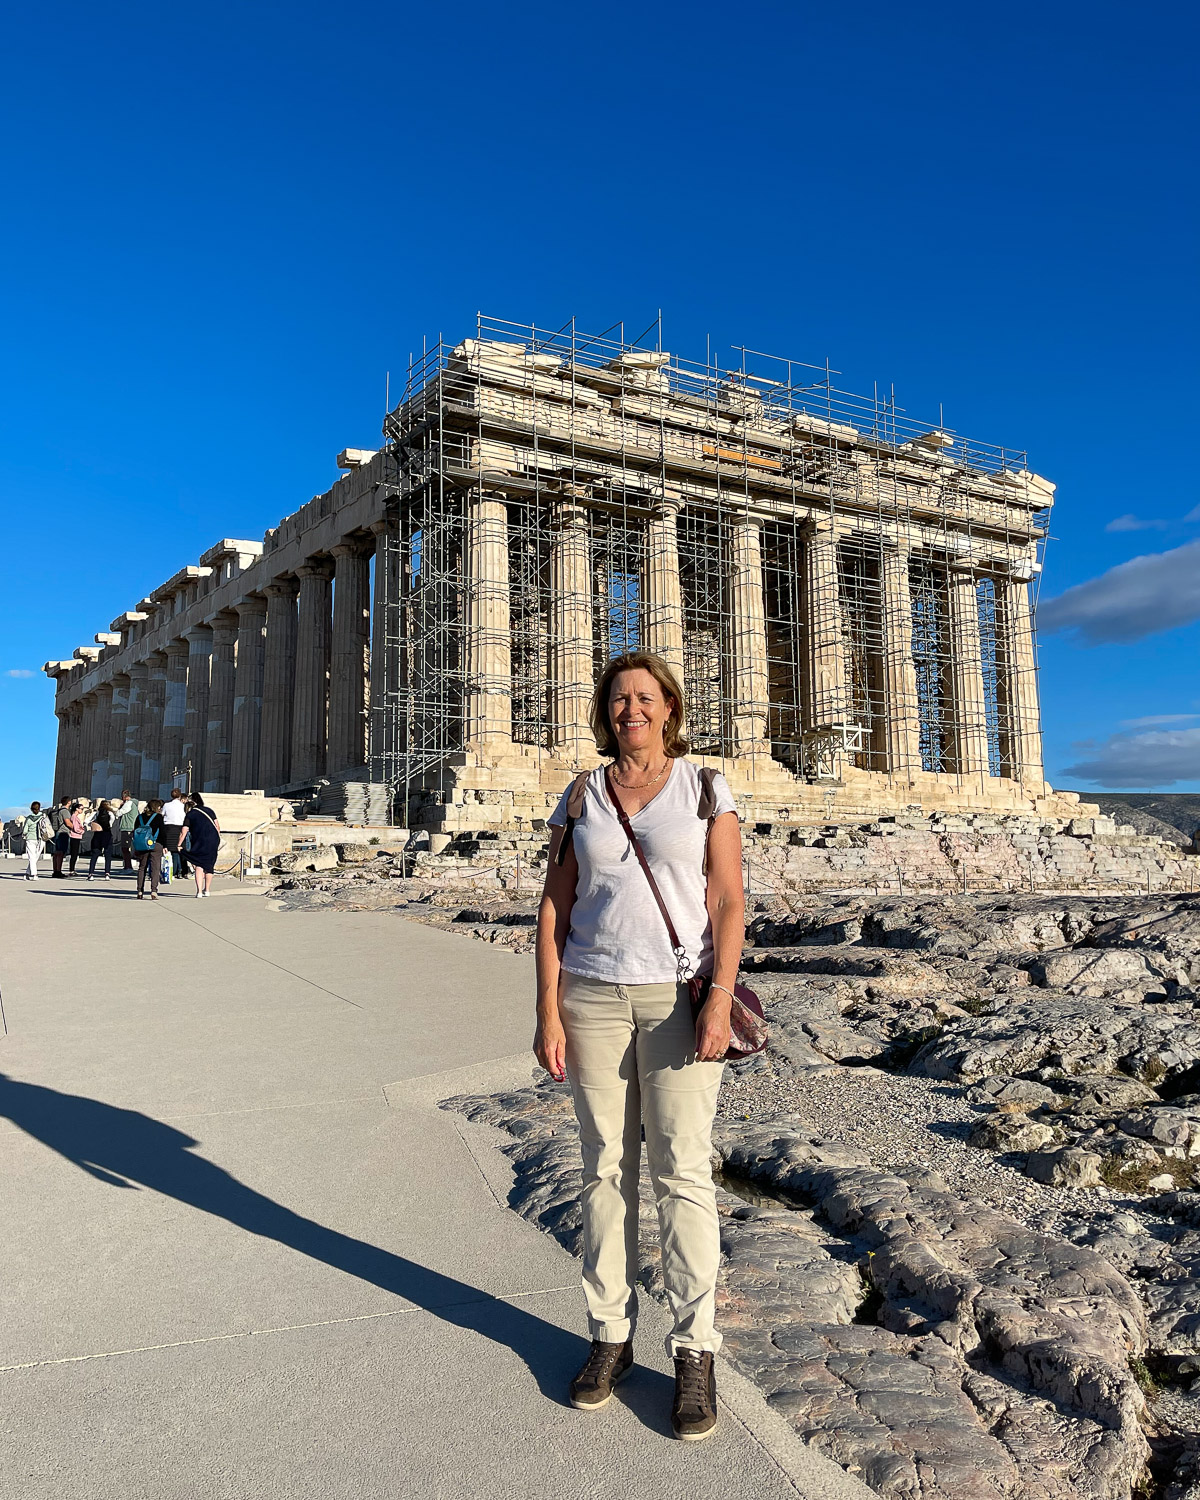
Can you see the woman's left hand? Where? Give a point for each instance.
(712, 1027)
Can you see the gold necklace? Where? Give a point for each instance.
(640, 785)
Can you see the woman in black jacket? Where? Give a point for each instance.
(101, 823)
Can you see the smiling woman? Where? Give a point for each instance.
(614, 1015)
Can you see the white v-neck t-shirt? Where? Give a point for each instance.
(617, 932)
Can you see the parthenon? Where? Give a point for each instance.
(845, 593)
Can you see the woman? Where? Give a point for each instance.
(147, 845)
(614, 1016)
(204, 839)
(102, 840)
(32, 829)
(74, 827)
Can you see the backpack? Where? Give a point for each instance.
(143, 835)
(45, 829)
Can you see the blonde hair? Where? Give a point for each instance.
(632, 661)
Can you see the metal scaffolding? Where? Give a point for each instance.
(841, 587)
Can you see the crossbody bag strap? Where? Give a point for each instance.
(676, 945)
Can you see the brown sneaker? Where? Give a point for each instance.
(605, 1365)
(694, 1414)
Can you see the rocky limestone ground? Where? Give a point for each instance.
(960, 1194)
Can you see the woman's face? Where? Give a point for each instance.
(638, 711)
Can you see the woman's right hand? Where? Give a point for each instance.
(550, 1048)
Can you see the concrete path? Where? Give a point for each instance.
(244, 1256)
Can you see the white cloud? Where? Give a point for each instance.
(1151, 759)
(1152, 721)
(19, 672)
(1141, 597)
(1135, 523)
(1193, 515)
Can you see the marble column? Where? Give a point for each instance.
(903, 712)
(217, 750)
(80, 754)
(1017, 684)
(389, 654)
(118, 733)
(489, 642)
(349, 658)
(150, 779)
(62, 752)
(662, 592)
(310, 705)
(748, 637)
(968, 704)
(248, 695)
(131, 761)
(98, 741)
(195, 718)
(174, 709)
(279, 675)
(823, 628)
(572, 658)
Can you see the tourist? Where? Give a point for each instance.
(124, 817)
(147, 846)
(204, 839)
(614, 1017)
(34, 827)
(101, 826)
(75, 831)
(62, 837)
(174, 812)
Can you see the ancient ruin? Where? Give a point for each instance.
(846, 593)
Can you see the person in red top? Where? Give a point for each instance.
(74, 826)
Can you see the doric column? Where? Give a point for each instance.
(389, 653)
(349, 658)
(101, 719)
(244, 774)
(220, 704)
(78, 764)
(489, 642)
(748, 636)
(174, 709)
(83, 764)
(195, 719)
(131, 760)
(823, 627)
(903, 712)
(309, 712)
(572, 661)
(661, 588)
(966, 673)
(150, 781)
(62, 753)
(1017, 686)
(118, 733)
(279, 676)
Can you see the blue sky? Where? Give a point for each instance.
(225, 226)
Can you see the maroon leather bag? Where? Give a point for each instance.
(747, 1024)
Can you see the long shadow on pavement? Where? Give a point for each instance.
(125, 1148)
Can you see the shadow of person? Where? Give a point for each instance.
(130, 1150)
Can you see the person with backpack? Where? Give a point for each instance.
(62, 837)
(37, 831)
(147, 846)
(643, 890)
(204, 839)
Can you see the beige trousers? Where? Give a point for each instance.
(631, 1061)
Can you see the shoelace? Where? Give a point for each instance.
(693, 1383)
(600, 1361)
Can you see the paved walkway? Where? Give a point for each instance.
(244, 1256)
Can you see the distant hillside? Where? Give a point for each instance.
(1167, 815)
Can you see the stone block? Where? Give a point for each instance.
(294, 860)
(1068, 1167)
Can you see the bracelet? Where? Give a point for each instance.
(729, 992)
